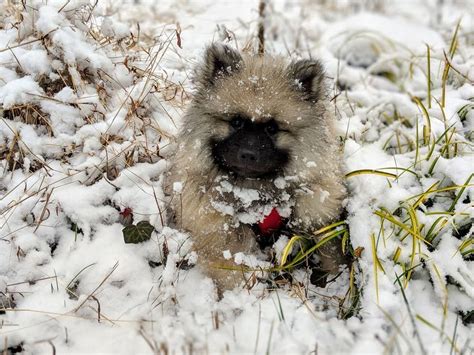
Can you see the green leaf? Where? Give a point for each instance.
(138, 233)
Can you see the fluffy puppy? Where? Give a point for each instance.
(257, 139)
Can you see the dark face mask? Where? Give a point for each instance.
(249, 150)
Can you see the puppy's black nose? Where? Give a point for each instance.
(247, 156)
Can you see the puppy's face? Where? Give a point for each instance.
(256, 110)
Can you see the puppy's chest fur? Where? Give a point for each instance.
(249, 204)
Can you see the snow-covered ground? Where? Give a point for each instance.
(91, 95)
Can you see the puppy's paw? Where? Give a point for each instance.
(331, 257)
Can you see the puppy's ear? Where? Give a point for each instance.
(307, 76)
(220, 60)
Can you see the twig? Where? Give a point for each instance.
(95, 290)
(261, 28)
(26, 43)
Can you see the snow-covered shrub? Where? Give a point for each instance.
(87, 113)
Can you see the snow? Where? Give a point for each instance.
(177, 187)
(101, 116)
(19, 91)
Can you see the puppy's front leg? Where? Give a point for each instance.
(212, 235)
(318, 207)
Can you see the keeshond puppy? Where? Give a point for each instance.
(258, 140)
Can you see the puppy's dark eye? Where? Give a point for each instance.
(271, 127)
(237, 122)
